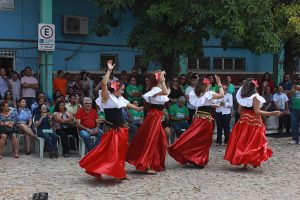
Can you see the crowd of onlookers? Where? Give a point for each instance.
(24, 109)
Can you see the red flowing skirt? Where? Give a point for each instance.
(148, 148)
(194, 144)
(247, 141)
(108, 157)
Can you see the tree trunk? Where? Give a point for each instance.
(170, 65)
(289, 61)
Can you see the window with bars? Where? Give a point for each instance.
(106, 57)
(195, 63)
(229, 64)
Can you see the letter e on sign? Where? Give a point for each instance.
(46, 37)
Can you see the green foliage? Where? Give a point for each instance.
(166, 29)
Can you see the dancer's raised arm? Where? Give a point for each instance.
(110, 67)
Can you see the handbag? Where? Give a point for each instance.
(69, 124)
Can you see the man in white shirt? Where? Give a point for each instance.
(223, 116)
(16, 85)
(29, 86)
(192, 109)
(281, 103)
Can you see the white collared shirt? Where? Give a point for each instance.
(228, 103)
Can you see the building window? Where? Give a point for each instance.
(106, 57)
(195, 63)
(7, 5)
(229, 64)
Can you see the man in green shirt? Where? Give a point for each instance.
(133, 91)
(230, 86)
(179, 114)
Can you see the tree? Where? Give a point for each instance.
(166, 29)
(287, 21)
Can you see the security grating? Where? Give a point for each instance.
(7, 54)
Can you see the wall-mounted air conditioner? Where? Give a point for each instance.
(75, 25)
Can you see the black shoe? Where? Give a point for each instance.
(55, 153)
(51, 154)
(36, 196)
(28, 152)
(66, 155)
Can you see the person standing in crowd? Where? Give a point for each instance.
(189, 89)
(92, 85)
(179, 114)
(88, 123)
(183, 82)
(133, 91)
(230, 86)
(24, 123)
(85, 87)
(176, 91)
(223, 116)
(281, 102)
(213, 85)
(286, 83)
(29, 85)
(8, 128)
(194, 144)
(266, 82)
(60, 83)
(147, 151)
(4, 82)
(295, 111)
(247, 143)
(15, 86)
(108, 157)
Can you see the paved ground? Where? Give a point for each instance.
(278, 178)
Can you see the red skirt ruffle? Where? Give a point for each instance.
(108, 157)
(247, 141)
(194, 144)
(149, 146)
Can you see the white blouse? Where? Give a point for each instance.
(112, 102)
(248, 101)
(204, 100)
(159, 99)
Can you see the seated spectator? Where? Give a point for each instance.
(39, 96)
(73, 104)
(24, 122)
(179, 114)
(88, 123)
(44, 124)
(223, 116)
(36, 110)
(8, 128)
(64, 125)
(9, 99)
(281, 103)
(269, 105)
(136, 117)
(183, 82)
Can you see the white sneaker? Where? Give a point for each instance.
(293, 142)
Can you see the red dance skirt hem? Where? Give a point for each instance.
(247, 143)
(148, 148)
(108, 157)
(194, 144)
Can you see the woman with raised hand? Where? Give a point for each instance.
(147, 151)
(247, 143)
(193, 145)
(108, 157)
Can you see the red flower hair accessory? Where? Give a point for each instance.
(255, 83)
(115, 85)
(205, 81)
(157, 75)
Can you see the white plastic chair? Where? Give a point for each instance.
(82, 148)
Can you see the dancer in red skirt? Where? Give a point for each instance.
(194, 144)
(147, 151)
(108, 157)
(247, 143)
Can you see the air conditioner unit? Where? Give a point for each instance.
(75, 25)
